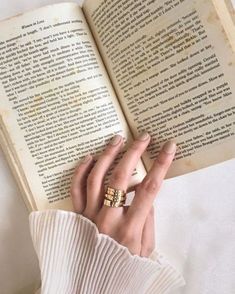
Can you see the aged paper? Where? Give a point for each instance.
(57, 103)
(173, 68)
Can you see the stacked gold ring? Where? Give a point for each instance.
(114, 197)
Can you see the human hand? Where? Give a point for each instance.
(131, 226)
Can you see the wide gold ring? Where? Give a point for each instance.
(114, 197)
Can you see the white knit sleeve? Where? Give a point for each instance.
(75, 258)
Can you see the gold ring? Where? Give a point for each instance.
(114, 197)
(113, 204)
(116, 192)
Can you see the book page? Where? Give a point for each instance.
(12, 161)
(57, 103)
(173, 68)
(226, 12)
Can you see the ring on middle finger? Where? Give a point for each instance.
(114, 197)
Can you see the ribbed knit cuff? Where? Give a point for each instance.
(75, 258)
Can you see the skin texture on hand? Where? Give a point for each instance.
(131, 226)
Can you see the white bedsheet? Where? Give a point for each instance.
(195, 221)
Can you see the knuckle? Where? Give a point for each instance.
(150, 186)
(137, 146)
(101, 222)
(118, 176)
(163, 161)
(103, 227)
(128, 236)
(109, 151)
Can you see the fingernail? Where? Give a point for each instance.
(116, 139)
(86, 159)
(144, 136)
(169, 147)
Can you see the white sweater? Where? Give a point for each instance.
(75, 258)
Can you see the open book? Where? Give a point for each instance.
(72, 77)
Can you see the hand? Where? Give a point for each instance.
(131, 226)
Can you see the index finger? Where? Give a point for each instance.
(150, 186)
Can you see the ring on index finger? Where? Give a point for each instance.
(114, 197)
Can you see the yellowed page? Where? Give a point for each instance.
(173, 69)
(226, 13)
(57, 103)
(15, 169)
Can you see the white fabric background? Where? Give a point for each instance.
(195, 221)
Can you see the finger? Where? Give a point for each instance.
(95, 181)
(78, 184)
(148, 235)
(124, 169)
(148, 189)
